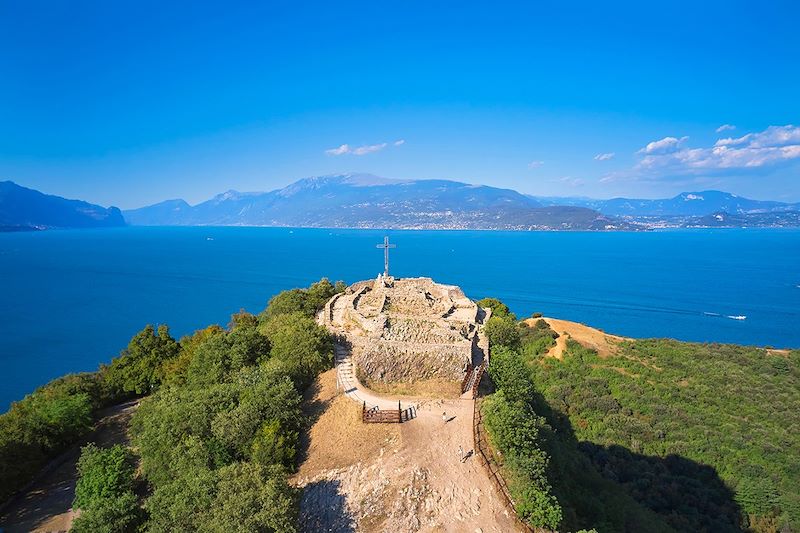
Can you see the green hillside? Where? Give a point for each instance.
(665, 434)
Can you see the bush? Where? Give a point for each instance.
(137, 370)
(104, 491)
(502, 331)
(121, 514)
(104, 473)
(39, 426)
(303, 346)
(251, 497)
(515, 428)
(499, 309)
(304, 301)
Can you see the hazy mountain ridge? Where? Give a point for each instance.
(366, 201)
(24, 209)
(700, 203)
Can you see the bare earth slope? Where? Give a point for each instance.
(604, 343)
(406, 477)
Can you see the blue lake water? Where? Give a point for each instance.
(71, 299)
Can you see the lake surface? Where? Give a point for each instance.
(70, 300)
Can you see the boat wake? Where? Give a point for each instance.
(732, 317)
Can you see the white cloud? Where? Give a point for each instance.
(362, 150)
(669, 157)
(725, 127)
(368, 149)
(604, 157)
(343, 149)
(535, 164)
(572, 182)
(667, 145)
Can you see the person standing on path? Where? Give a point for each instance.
(460, 454)
(444, 417)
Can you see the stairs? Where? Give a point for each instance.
(344, 367)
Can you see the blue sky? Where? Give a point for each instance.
(130, 103)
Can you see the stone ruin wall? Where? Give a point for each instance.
(406, 330)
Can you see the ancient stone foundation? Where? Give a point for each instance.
(407, 329)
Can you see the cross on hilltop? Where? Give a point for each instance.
(386, 247)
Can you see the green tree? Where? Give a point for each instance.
(138, 368)
(301, 344)
(175, 370)
(274, 445)
(502, 331)
(103, 473)
(253, 498)
(499, 309)
(305, 301)
(120, 514)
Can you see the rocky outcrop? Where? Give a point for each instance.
(407, 329)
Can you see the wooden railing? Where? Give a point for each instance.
(484, 455)
(374, 415)
(472, 379)
(467, 377)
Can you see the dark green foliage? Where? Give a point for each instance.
(252, 498)
(183, 503)
(305, 301)
(514, 428)
(138, 368)
(216, 354)
(535, 340)
(650, 418)
(104, 473)
(216, 444)
(39, 426)
(499, 309)
(175, 371)
(304, 347)
(272, 444)
(121, 514)
(502, 331)
(104, 491)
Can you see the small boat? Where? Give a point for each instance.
(737, 317)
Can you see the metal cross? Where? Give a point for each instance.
(386, 247)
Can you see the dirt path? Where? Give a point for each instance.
(388, 477)
(604, 343)
(46, 506)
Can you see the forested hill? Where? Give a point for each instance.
(26, 209)
(215, 439)
(655, 435)
(651, 435)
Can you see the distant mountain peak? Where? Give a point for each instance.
(21, 207)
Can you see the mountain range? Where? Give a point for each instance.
(685, 204)
(366, 201)
(23, 209)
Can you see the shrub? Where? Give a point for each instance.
(104, 473)
(502, 331)
(499, 309)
